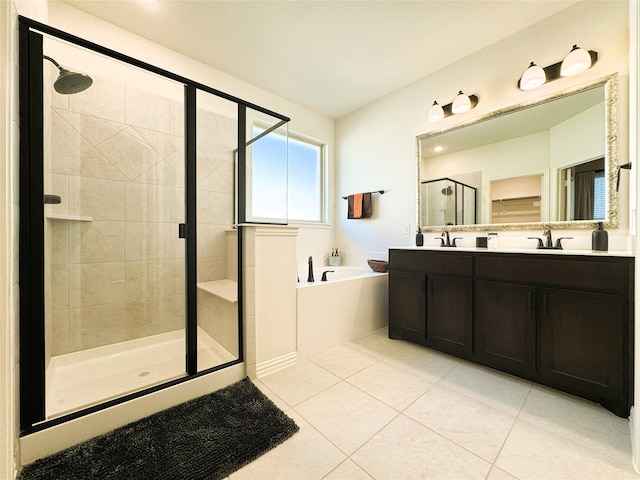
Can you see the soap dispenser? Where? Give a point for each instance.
(599, 239)
(419, 238)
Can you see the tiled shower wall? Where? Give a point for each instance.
(117, 161)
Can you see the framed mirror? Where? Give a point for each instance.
(552, 163)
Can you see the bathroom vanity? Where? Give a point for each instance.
(564, 320)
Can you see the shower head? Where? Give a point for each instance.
(69, 82)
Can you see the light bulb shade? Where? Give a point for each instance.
(461, 103)
(578, 60)
(435, 113)
(533, 77)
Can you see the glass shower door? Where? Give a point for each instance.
(217, 329)
(114, 263)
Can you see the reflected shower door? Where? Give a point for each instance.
(114, 264)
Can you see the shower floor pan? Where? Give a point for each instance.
(89, 377)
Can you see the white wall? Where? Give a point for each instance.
(9, 293)
(8, 360)
(376, 146)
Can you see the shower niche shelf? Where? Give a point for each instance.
(225, 289)
(70, 218)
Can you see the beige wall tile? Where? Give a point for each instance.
(105, 99)
(97, 241)
(95, 326)
(96, 198)
(96, 284)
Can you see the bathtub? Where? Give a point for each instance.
(350, 304)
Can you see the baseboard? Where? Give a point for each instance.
(635, 442)
(270, 366)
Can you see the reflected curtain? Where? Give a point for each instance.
(584, 195)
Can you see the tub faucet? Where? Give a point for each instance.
(310, 276)
(324, 275)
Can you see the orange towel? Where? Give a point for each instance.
(357, 205)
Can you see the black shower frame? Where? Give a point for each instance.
(455, 204)
(31, 234)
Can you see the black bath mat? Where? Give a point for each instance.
(206, 438)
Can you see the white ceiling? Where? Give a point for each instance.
(332, 57)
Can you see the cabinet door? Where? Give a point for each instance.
(504, 326)
(582, 348)
(406, 305)
(449, 314)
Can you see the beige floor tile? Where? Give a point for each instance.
(307, 455)
(580, 420)
(345, 415)
(498, 390)
(532, 453)
(300, 381)
(348, 470)
(281, 404)
(343, 360)
(396, 387)
(422, 361)
(378, 345)
(407, 450)
(497, 474)
(469, 423)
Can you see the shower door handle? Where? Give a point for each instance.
(182, 230)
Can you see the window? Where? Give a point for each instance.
(599, 200)
(304, 174)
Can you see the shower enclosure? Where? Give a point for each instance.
(448, 202)
(130, 265)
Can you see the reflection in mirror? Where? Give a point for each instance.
(449, 202)
(516, 200)
(582, 193)
(556, 141)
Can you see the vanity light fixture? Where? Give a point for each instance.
(435, 113)
(577, 61)
(462, 103)
(533, 77)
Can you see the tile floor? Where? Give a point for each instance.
(380, 409)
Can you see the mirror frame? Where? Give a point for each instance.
(610, 83)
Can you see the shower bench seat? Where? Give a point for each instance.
(225, 289)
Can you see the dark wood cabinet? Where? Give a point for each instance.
(565, 321)
(448, 318)
(504, 326)
(407, 302)
(582, 344)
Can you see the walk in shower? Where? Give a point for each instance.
(130, 258)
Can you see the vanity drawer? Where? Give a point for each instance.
(429, 262)
(608, 275)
